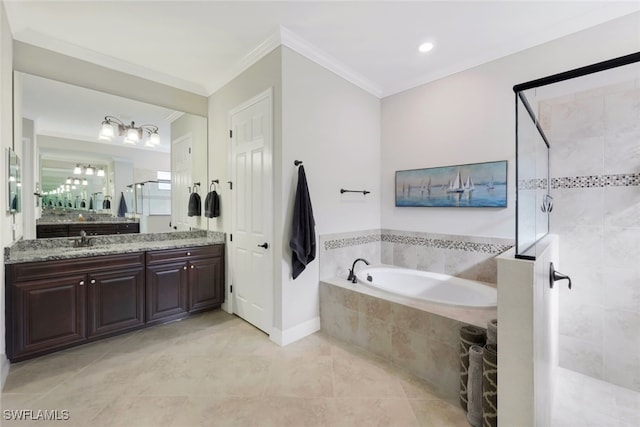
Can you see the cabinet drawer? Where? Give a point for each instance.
(47, 231)
(57, 268)
(127, 228)
(154, 257)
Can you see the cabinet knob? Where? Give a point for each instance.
(192, 266)
(81, 283)
(184, 268)
(188, 253)
(93, 281)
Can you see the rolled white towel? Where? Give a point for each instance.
(492, 332)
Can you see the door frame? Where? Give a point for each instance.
(268, 200)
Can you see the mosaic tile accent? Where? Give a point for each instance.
(589, 181)
(533, 184)
(488, 248)
(351, 241)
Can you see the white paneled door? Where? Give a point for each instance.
(180, 181)
(252, 205)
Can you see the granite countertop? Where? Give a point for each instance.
(62, 248)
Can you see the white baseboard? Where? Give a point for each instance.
(4, 370)
(300, 331)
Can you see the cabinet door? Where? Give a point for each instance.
(166, 290)
(116, 301)
(47, 314)
(206, 283)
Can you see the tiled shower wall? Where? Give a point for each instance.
(461, 256)
(594, 165)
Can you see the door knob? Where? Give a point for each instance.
(264, 245)
(554, 276)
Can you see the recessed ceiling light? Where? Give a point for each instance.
(425, 47)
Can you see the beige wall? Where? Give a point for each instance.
(52, 65)
(265, 74)
(333, 126)
(469, 117)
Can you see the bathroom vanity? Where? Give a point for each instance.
(58, 296)
(95, 228)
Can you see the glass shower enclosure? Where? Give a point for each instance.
(533, 202)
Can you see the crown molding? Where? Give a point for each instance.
(263, 49)
(37, 39)
(173, 116)
(308, 50)
(285, 37)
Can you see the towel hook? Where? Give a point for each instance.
(195, 186)
(214, 183)
(297, 162)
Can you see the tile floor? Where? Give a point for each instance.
(587, 402)
(216, 370)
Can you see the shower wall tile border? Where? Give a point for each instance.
(351, 241)
(590, 181)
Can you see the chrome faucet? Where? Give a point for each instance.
(83, 241)
(352, 273)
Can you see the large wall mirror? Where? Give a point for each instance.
(99, 154)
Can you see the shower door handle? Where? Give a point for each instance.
(547, 204)
(554, 276)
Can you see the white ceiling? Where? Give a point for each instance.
(200, 45)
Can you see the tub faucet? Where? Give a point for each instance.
(352, 273)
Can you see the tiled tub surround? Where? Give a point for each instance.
(417, 336)
(595, 159)
(62, 248)
(468, 257)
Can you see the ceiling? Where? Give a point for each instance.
(200, 45)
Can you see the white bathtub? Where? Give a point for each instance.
(434, 287)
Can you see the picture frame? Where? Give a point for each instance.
(474, 185)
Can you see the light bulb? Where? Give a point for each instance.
(106, 132)
(154, 138)
(132, 134)
(100, 172)
(68, 181)
(76, 181)
(85, 182)
(77, 170)
(425, 47)
(89, 170)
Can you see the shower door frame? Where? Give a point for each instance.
(544, 81)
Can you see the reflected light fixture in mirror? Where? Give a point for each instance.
(132, 133)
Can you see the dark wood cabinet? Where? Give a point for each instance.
(115, 301)
(47, 314)
(166, 290)
(92, 229)
(185, 280)
(205, 277)
(53, 305)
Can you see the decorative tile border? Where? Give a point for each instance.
(459, 245)
(533, 184)
(351, 241)
(589, 181)
(489, 248)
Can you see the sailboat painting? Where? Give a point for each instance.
(471, 185)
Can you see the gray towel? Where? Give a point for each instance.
(492, 332)
(469, 335)
(212, 205)
(195, 205)
(303, 236)
(474, 386)
(122, 207)
(490, 386)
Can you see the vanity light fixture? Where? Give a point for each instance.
(100, 172)
(68, 181)
(77, 170)
(88, 170)
(85, 182)
(132, 133)
(76, 181)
